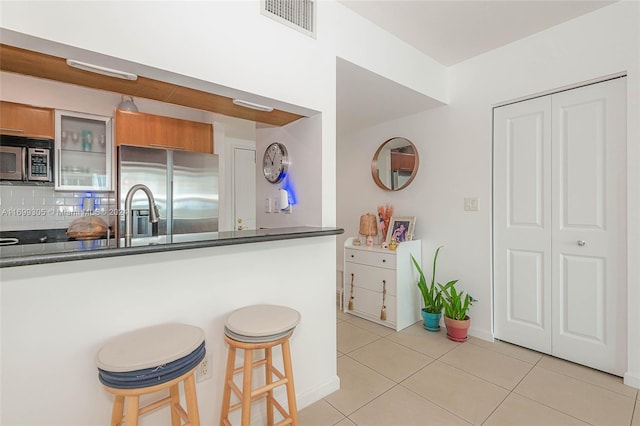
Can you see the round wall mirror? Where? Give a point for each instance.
(395, 164)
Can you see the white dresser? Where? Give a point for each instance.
(375, 277)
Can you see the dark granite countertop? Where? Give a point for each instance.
(51, 252)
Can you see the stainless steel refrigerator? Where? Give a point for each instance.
(184, 185)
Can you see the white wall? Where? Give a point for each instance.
(55, 317)
(302, 139)
(455, 143)
(231, 44)
(358, 194)
(386, 56)
(205, 43)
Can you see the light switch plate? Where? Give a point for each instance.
(471, 204)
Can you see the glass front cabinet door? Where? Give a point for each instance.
(84, 147)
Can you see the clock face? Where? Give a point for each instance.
(275, 162)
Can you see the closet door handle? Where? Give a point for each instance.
(582, 243)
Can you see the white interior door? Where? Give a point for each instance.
(522, 223)
(559, 224)
(244, 188)
(589, 199)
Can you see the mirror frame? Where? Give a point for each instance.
(374, 165)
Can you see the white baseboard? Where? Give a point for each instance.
(316, 394)
(258, 410)
(482, 334)
(632, 380)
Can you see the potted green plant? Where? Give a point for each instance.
(456, 305)
(431, 296)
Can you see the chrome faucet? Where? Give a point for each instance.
(154, 214)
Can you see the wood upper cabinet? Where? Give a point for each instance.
(141, 129)
(402, 161)
(26, 120)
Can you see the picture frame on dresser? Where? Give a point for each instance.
(401, 228)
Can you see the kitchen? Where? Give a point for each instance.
(158, 269)
(97, 113)
(196, 286)
(41, 210)
(92, 289)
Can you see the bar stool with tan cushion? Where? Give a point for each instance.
(149, 360)
(259, 327)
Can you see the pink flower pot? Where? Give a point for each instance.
(457, 329)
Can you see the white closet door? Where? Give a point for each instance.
(560, 224)
(589, 205)
(522, 223)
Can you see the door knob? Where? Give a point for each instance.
(240, 228)
(582, 243)
(239, 220)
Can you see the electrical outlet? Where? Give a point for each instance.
(204, 370)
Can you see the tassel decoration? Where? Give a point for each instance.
(383, 311)
(351, 298)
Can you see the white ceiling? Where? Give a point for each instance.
(454, 30)
(449, 32)
(364, 98)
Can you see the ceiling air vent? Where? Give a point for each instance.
(297, 14)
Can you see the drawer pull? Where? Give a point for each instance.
(383, 311)
(351, 297)
(384, 260)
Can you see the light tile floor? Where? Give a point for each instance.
(417, 378)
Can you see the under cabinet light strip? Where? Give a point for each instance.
(101, 70)
(247, 104)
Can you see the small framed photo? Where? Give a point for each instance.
(401, 228)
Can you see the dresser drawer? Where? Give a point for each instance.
(371, 258)
(368, 304)
(373, 279)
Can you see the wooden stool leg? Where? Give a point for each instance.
(118, 411)
(192, 400)
(246, 387)
(127, 401)
(268, 369)
(133, 406)
(226, 394)
(174, 393)
(291, 393)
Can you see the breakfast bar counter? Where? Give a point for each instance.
(58, 307)
(33, 254)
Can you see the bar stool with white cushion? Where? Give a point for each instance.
(149, 360)
(259, 327)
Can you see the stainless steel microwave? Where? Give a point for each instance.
(26, 159)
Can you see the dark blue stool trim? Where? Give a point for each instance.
(152, 376)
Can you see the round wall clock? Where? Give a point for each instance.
(275, 162)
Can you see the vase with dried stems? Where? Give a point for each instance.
(385, 212)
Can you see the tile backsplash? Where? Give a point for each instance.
(26, 207)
